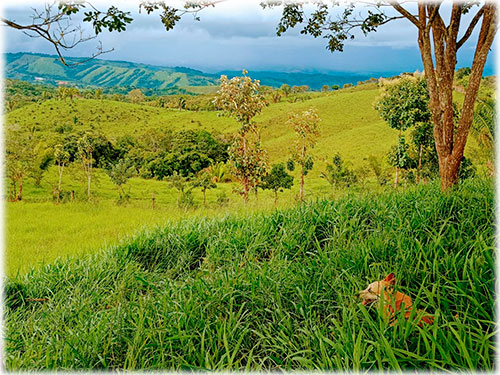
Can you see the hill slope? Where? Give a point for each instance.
(349, 123)
(107, 73)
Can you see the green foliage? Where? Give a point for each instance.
(205, 181)
(338, 173)
(306, 128)
(277, 180)
(467, 169)
(120, 173)
(241, 99)
(197, 294)
(399, 156)
(404, 103)
(184, 190)
(136, 96)
(20, 158)
(376, 165)
(462, 72)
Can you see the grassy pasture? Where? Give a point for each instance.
(37, 231)
(271, 291)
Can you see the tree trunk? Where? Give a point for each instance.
(275, 197)
(246, 179)
(89, 177)
(14, 191)
(61, 167)
(301, 191)
(204, 200)
(396, 180)
(449, 139)
(20, 194)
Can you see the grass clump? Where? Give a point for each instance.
(272, 291)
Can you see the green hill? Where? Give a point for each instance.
(106, 73)
(349, 123)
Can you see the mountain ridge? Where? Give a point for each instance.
(37, 67)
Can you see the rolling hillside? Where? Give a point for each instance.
(105, 73)
(349, 123)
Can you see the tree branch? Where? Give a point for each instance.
(471, 27)
(406, 14)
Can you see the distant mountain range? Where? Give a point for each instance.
(48, 69)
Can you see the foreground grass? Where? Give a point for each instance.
(271, 291)
(38, 230)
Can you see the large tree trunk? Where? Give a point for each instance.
(450, 140)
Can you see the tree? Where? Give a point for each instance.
(402, 105)
(277, 180)
(305, 125)
(86, 148)
(286, 89)
(54, 23)
(338, 174)
(438, 43)
(423, 140)
(136, 96)
(399, 157)
(180, 184)
(325, 88)
(204, 180)
(61, 158)
(120, 173)
(43, 156)
(241, 99)
(20, 157)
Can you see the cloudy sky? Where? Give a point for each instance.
(238, 34)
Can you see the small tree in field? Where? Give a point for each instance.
(403, 105)
(120, 173)
(338, 173)
(399, 157)
(61, 158)
(241, 99)
(277, 180)
(306, 128)
(205, 181)
(20, 158)
(85, 149)
(180, 184)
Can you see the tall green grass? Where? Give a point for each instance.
(274, 291)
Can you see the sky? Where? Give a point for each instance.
(239, 34)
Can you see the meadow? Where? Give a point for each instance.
(39, 231)
(271, 291)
